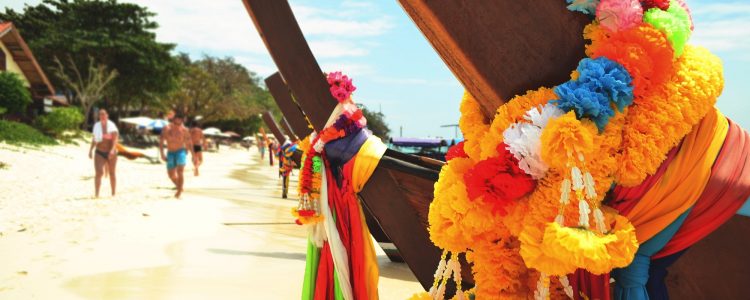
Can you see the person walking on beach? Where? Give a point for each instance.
(261, 147)
(105, 142)
(199, 143)
(179, 143)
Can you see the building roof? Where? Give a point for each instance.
(11, 38)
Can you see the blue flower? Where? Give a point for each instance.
(584, 6)
(585, 102)
(600, 81)
(608, 77)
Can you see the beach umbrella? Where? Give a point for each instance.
(212, 131)
(232, 134)
(157, 124)
(138, 121)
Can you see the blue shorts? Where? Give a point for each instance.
(176, 159)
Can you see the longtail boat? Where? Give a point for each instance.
(294, 114)
(496, 50)
(400, 190)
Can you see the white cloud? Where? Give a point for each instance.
(352, 69)
(196, 24)
(722, 27)
(335, 48)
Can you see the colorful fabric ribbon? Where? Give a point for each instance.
(684, 180)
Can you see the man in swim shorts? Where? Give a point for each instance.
(198, 140)
(178, 144)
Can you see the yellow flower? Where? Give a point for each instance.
(565, 137)
(538, 257)
(472, 125)
(583, 248)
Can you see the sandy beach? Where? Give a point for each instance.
(229, 237)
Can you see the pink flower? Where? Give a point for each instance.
(618, 15)
(341, 86)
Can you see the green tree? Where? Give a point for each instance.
(60, 120)
(14, 96)
(223, 93)
(376, 123)
(118, 35)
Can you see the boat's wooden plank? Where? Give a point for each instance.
(501, 48)
(716, 267)
(283, 38)
(274, 127)
(400, 221)
(291, 110)
(288, 130)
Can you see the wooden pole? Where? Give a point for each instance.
(406, 228)
(288, 130)
(291, 110)
(274, 127)
(283, 38)
(502, 48)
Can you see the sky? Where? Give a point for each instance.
(395, 69)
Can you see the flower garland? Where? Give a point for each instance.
(522, 195)
(349, 120)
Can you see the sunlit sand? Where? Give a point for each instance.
(230, 236)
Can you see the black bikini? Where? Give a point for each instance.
(103, 154)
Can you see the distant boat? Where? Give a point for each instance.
(434, 148)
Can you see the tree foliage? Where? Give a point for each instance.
(60, 120)
(376, 123)
(223, 93)
(14, 96)
(118, 35)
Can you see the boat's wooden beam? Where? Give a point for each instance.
(274, 127)
(291, 110)
(715, 267)
(288, 130)
(389, 204)
(502, 48)
(281, 33)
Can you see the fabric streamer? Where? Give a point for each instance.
(630, 282)
(683, 182)
(726, 191)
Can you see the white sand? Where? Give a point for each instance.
(56, 242)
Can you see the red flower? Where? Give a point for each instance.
(661, 4)
(499, 181)
(456, 150)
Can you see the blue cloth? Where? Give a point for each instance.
(176, 158)
(657, 289)
(340, 151)
(745, 210)
(630, 282)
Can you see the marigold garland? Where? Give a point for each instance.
(651, 95)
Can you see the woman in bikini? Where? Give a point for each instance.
(104, 144)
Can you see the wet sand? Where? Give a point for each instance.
(230, 236)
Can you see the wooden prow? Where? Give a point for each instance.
(392, 199)
(499, 49)
(274, 127)
(291, 110)
(288, 129)
(292, 56)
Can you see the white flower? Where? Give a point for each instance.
(523, 140)
(540, 115)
